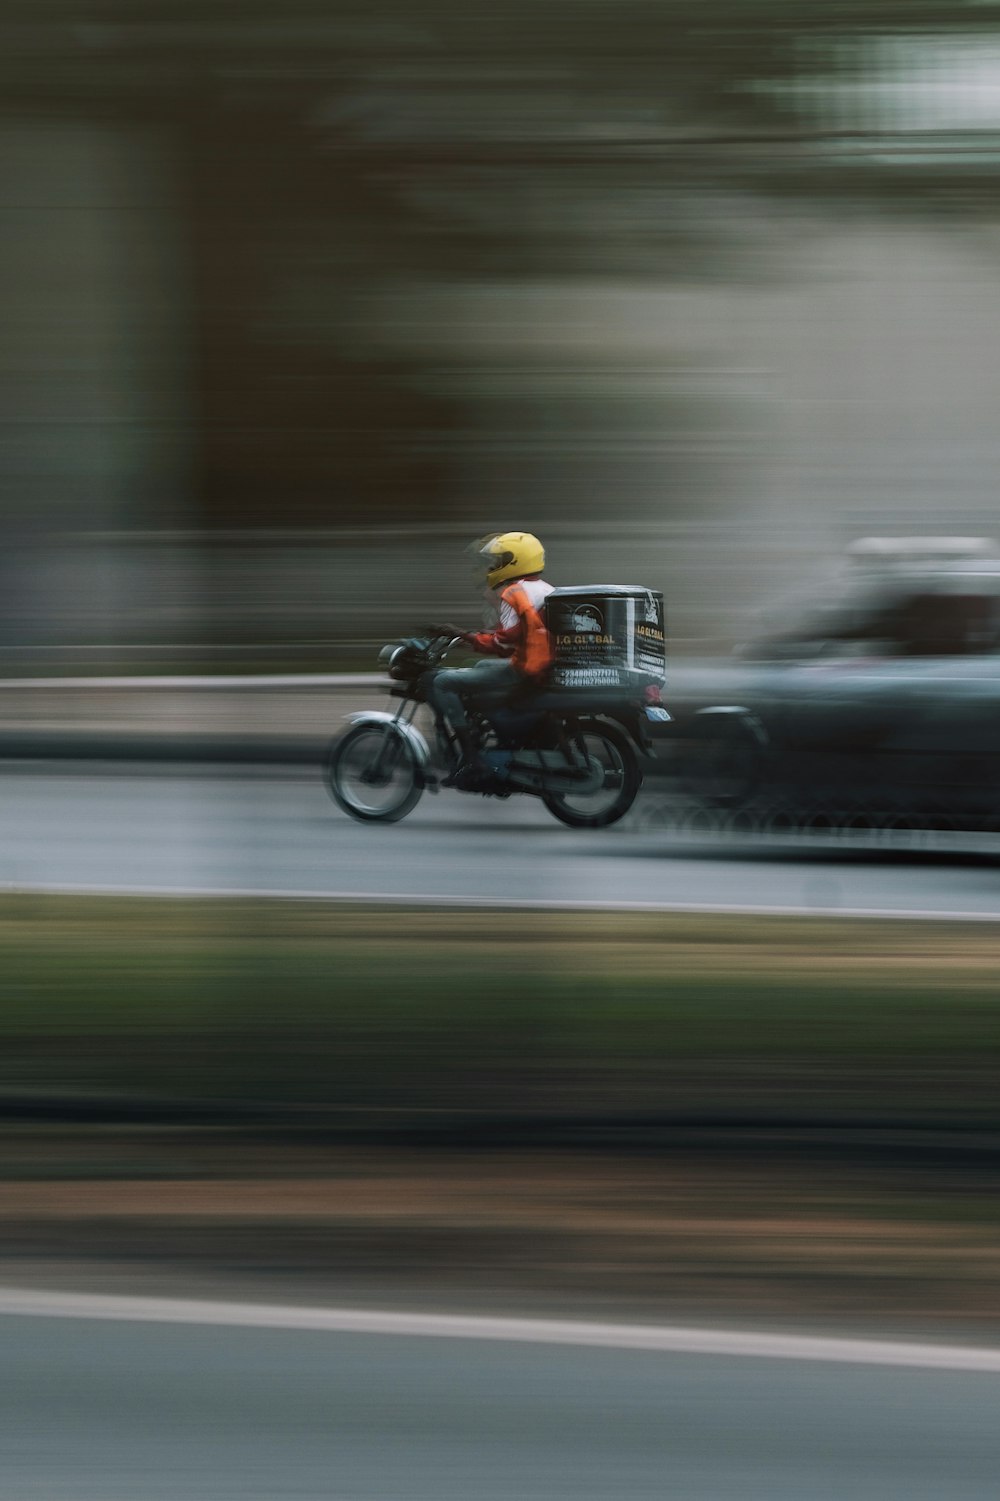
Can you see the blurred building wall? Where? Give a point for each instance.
(722, 441)
(296, 303)
(94, 377)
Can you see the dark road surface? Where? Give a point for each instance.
(210, 829)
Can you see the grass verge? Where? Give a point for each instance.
(312, 1006)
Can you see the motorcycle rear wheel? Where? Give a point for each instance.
(373, 774)
(622, 779)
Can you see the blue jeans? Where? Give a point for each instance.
(488, 684)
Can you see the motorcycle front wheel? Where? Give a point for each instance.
(612, 750)
(373, 774)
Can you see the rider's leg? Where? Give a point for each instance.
(450, 691)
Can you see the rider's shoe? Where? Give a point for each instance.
(471, 775)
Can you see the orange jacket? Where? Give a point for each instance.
(522, 634)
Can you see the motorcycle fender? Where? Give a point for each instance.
(635, 724)
(409, 732)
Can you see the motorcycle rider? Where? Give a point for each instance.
(520, 644)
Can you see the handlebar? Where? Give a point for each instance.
(439, 643)
(415, 654)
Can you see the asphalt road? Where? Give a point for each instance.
(139, 827)
(98, 1410)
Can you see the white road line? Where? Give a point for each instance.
(487, 903)
(665, 1339)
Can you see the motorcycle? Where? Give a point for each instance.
(577, 750)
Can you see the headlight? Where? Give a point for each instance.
(404, 663)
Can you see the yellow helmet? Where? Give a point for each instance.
(509, 555)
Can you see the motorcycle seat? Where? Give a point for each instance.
(576, 700)
(520, 715)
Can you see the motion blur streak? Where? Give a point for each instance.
(726, 1342)
(493, 904)
(700, 294)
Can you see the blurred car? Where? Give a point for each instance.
(880, 700)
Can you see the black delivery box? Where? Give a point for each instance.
(607, 636)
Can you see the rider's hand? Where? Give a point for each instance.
(450, 630)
